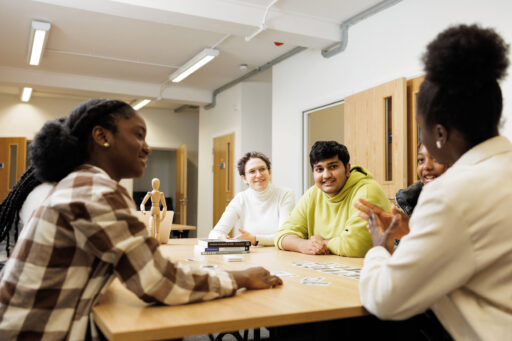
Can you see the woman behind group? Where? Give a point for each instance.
(85, 232)
(457, 258)
(261, 209)
(428, 170)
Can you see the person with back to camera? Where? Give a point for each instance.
(457, 258)
(261, 209)
(86, 232)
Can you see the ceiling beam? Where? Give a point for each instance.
(34, 78)
(225, 17)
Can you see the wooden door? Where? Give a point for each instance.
(13, 154)
(180, 210)
(413, 87)
(375, 133)
(223, 173)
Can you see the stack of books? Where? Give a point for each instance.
(222, 247)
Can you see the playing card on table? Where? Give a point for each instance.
(282, 274)
(314, 281)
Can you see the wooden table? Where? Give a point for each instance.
(179, 227)
(122, 316)
(181, 231)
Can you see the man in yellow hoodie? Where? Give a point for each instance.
(325, 220)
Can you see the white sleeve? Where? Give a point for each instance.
(434, 259)
(34, 200)
(229, 219)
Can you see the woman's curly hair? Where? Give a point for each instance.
(463, 65)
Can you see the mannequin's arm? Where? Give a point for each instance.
(143, 203)
(162, 198)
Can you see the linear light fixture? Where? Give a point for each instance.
(25, 94)
(194, 64)
(38, 38)
(141, 104)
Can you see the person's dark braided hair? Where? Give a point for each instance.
(12, 203)
(463, 66)
(59, 147)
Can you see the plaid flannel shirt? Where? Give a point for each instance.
(83, 235)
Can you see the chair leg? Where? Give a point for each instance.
(237, 336)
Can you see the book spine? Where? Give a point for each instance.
(225, 244)
(221, 252)
(234, 248)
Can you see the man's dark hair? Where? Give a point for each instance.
(322, 150)
(251, 155)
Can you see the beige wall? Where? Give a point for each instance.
(166, 129)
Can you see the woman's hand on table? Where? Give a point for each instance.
(255, 278)
(246, 236)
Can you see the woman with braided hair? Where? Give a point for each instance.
(456, 261)
(86, 232)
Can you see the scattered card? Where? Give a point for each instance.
(208, 266)
(331, 268)
(319, 281)
(282, 274)
(233, 258)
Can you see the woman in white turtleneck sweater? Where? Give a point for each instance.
(259, 211)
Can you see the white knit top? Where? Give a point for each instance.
(259, 213)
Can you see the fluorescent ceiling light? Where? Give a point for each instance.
(141, 104)
(194, 64)
(25, 94)
(38, 37)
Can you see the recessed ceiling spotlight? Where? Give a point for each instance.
(243, 67)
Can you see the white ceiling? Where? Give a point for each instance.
(128, 48)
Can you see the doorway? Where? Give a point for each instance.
(162, 165)
(13, 158)
(223, 173)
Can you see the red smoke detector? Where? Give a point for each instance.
(278, 43)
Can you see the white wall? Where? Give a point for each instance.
(245, 110)
(257, 118)
(381, 48)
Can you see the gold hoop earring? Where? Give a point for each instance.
(106, 144)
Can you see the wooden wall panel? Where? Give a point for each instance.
(365, 135)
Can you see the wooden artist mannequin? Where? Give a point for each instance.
(155, 217)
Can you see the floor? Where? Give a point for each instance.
(264, 334)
